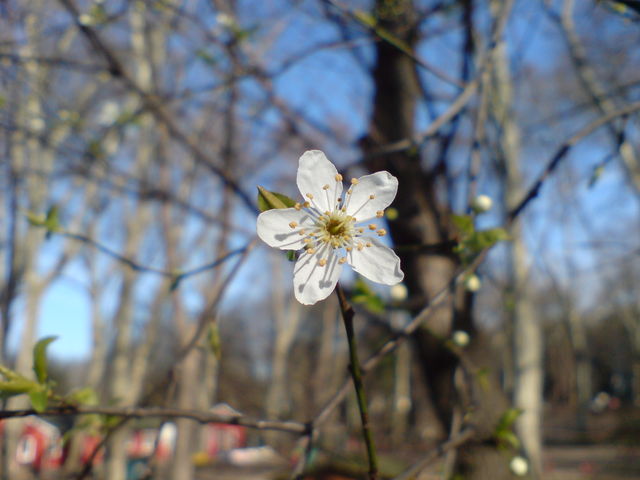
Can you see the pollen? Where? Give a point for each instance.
(368, 244)
(372, 226)
(348, 249)
(342, 260)
(306, 204)
(360, 245)
(380, 213)
(293, 224)
(354, 181)
(338, 177)
(309, 196)
(322, 262)
(325, 187)
(372, 196)
(301, 232)
(360, 230)
(311, 251)
(382, 232)
(297, 206)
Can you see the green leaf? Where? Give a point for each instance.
(269, 200)
(488, 238)
(508, 418)
(40, 358)
(83, 396)
(464, 223)
(595, 175)
(292, 255)
(35, 219)
(39, 400)
(364, 295)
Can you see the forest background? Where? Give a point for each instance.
(134, 135)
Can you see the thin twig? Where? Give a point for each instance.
(356, 375)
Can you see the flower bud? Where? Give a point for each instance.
(460, 338)
(519, 466)
(473, 283)
(482, 203)
(399, 292)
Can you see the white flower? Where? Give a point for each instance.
(519, 466)
(333, 231)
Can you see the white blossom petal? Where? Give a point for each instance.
(274, 227)
(314, 172)
(311, 282)
(381, 185)
(378, 263)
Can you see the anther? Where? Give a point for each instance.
(380, 213)
(360, 230)
(342, 260)
(372, 226)
(306, 204)
(309, 196)
(354, 181)
(360, 245)
(301, 232)
(293, 224)
(325, 187)
(368, 244)
(322, 262)
(382, 232)
(338, 177)
(311, 251)
(372, 196)
(348, 249)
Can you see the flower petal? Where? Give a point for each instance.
(378, 263)
(381, 185)
(274, 227)
(314, 172)
(311, 282)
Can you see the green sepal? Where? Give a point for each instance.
(269, 200)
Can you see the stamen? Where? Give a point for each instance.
(380, 213)
(306, 204)
(322, 262)
(360, 245)
(342, 260)
(368, 244)
(293, 224)
(372, 196)
(309, 196)
(301, 232)
(382, 232)
(360, 230)
(297, 206)
(311, 251)
(354, 181)
(325, 187)
(372, 226)
(348, 249)
(338, 177)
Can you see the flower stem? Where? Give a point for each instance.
(356, 375)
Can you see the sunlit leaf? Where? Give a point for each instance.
(269, 200)
(40, 358)
(39, 400)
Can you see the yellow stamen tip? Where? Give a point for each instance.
(342, 260)
(309, 196)
(311, 251)
(306, 204)
(380, 213)
(297, 206)
(382, 232)
(322, 262)
(338, 177)
(371, 197)
(372, 226)
(293, 224)
(325, 187)
(354, 181)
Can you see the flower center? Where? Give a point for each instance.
(336, 229)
